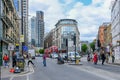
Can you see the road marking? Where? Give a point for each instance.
(27, 75)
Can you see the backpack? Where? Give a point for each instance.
(6, 58)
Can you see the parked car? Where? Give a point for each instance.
(54, 55)
(71, 56)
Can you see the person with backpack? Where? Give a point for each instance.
(6, 60)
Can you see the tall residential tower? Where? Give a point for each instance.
(33, 31)
(40, 29)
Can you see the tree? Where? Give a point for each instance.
(41, 51)
(92, 45)
(36, 51)
(84, 48)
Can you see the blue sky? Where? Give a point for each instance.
(90, 14)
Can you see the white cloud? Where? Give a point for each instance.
(89, 17)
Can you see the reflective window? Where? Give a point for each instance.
(68, 29)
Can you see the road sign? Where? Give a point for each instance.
(21, 38)
(10, 46)
(25, 48)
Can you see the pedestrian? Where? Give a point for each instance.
(6, 60)
(30, 60)
(88, 57)
(107, 57)
(95, 58)
(113, 56)
(44, 60)
(103, 57)
(14, 59)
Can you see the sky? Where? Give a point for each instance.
(89, 14)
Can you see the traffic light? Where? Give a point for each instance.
(74, 40)
(66, 42)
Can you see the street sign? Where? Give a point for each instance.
(21, 38)
(25, 48)
(10, 46)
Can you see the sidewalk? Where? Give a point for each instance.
(6, 74)
(116, 62)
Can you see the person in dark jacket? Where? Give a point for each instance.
(44, 60)
(14, 59)
(103, 57)
(30, 60)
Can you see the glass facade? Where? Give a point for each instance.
(67, 29)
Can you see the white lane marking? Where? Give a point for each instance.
(27, 75)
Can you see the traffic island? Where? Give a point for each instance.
(76, 63)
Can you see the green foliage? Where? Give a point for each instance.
(36, 51)
(84, 48)
(41, 51)
(92, 45)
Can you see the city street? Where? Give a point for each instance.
(54, 71)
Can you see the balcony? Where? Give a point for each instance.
(7, 39)
(9, 4)
(7, 20)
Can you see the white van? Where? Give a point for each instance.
(71, 56)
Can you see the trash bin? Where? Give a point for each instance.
(20, 63)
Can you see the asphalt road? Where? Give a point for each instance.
(107, 67)
(54, 71)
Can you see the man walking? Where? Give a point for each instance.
(44, 60)
(30, 60)
(14, 59)
(103, 57)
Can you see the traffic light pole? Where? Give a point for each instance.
(67, 48)
(75, 46)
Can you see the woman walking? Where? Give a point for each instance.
(95, 58)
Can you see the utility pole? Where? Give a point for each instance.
(22, 22)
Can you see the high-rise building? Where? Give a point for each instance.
(24, 16)
(33, 31)
(115, 21)
(40, 29)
